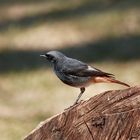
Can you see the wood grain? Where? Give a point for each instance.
(112, 115)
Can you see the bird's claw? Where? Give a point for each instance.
(72, 106)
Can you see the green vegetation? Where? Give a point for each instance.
(104, 33)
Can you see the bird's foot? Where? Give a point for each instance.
(72, 106)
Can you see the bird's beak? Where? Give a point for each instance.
(42, 55)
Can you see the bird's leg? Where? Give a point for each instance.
(81, 93)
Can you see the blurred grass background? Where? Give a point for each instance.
(104, 33)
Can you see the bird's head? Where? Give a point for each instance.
(53, 56)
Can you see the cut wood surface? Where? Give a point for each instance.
(112, 115)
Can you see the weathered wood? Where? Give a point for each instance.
(112, 115)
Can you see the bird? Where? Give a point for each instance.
(76, 73)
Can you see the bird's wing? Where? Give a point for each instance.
(78, 68)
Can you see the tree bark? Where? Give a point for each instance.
(112, 115)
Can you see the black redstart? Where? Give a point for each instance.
(76, 73)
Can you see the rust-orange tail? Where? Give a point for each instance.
(109, 80)
(118, 82)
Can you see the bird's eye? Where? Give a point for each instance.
(50, 58)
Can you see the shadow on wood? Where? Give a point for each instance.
(112, 115)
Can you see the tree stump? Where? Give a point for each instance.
(112, 115)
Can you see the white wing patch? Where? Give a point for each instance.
(90, 68)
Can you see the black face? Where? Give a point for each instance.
(50, 58)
